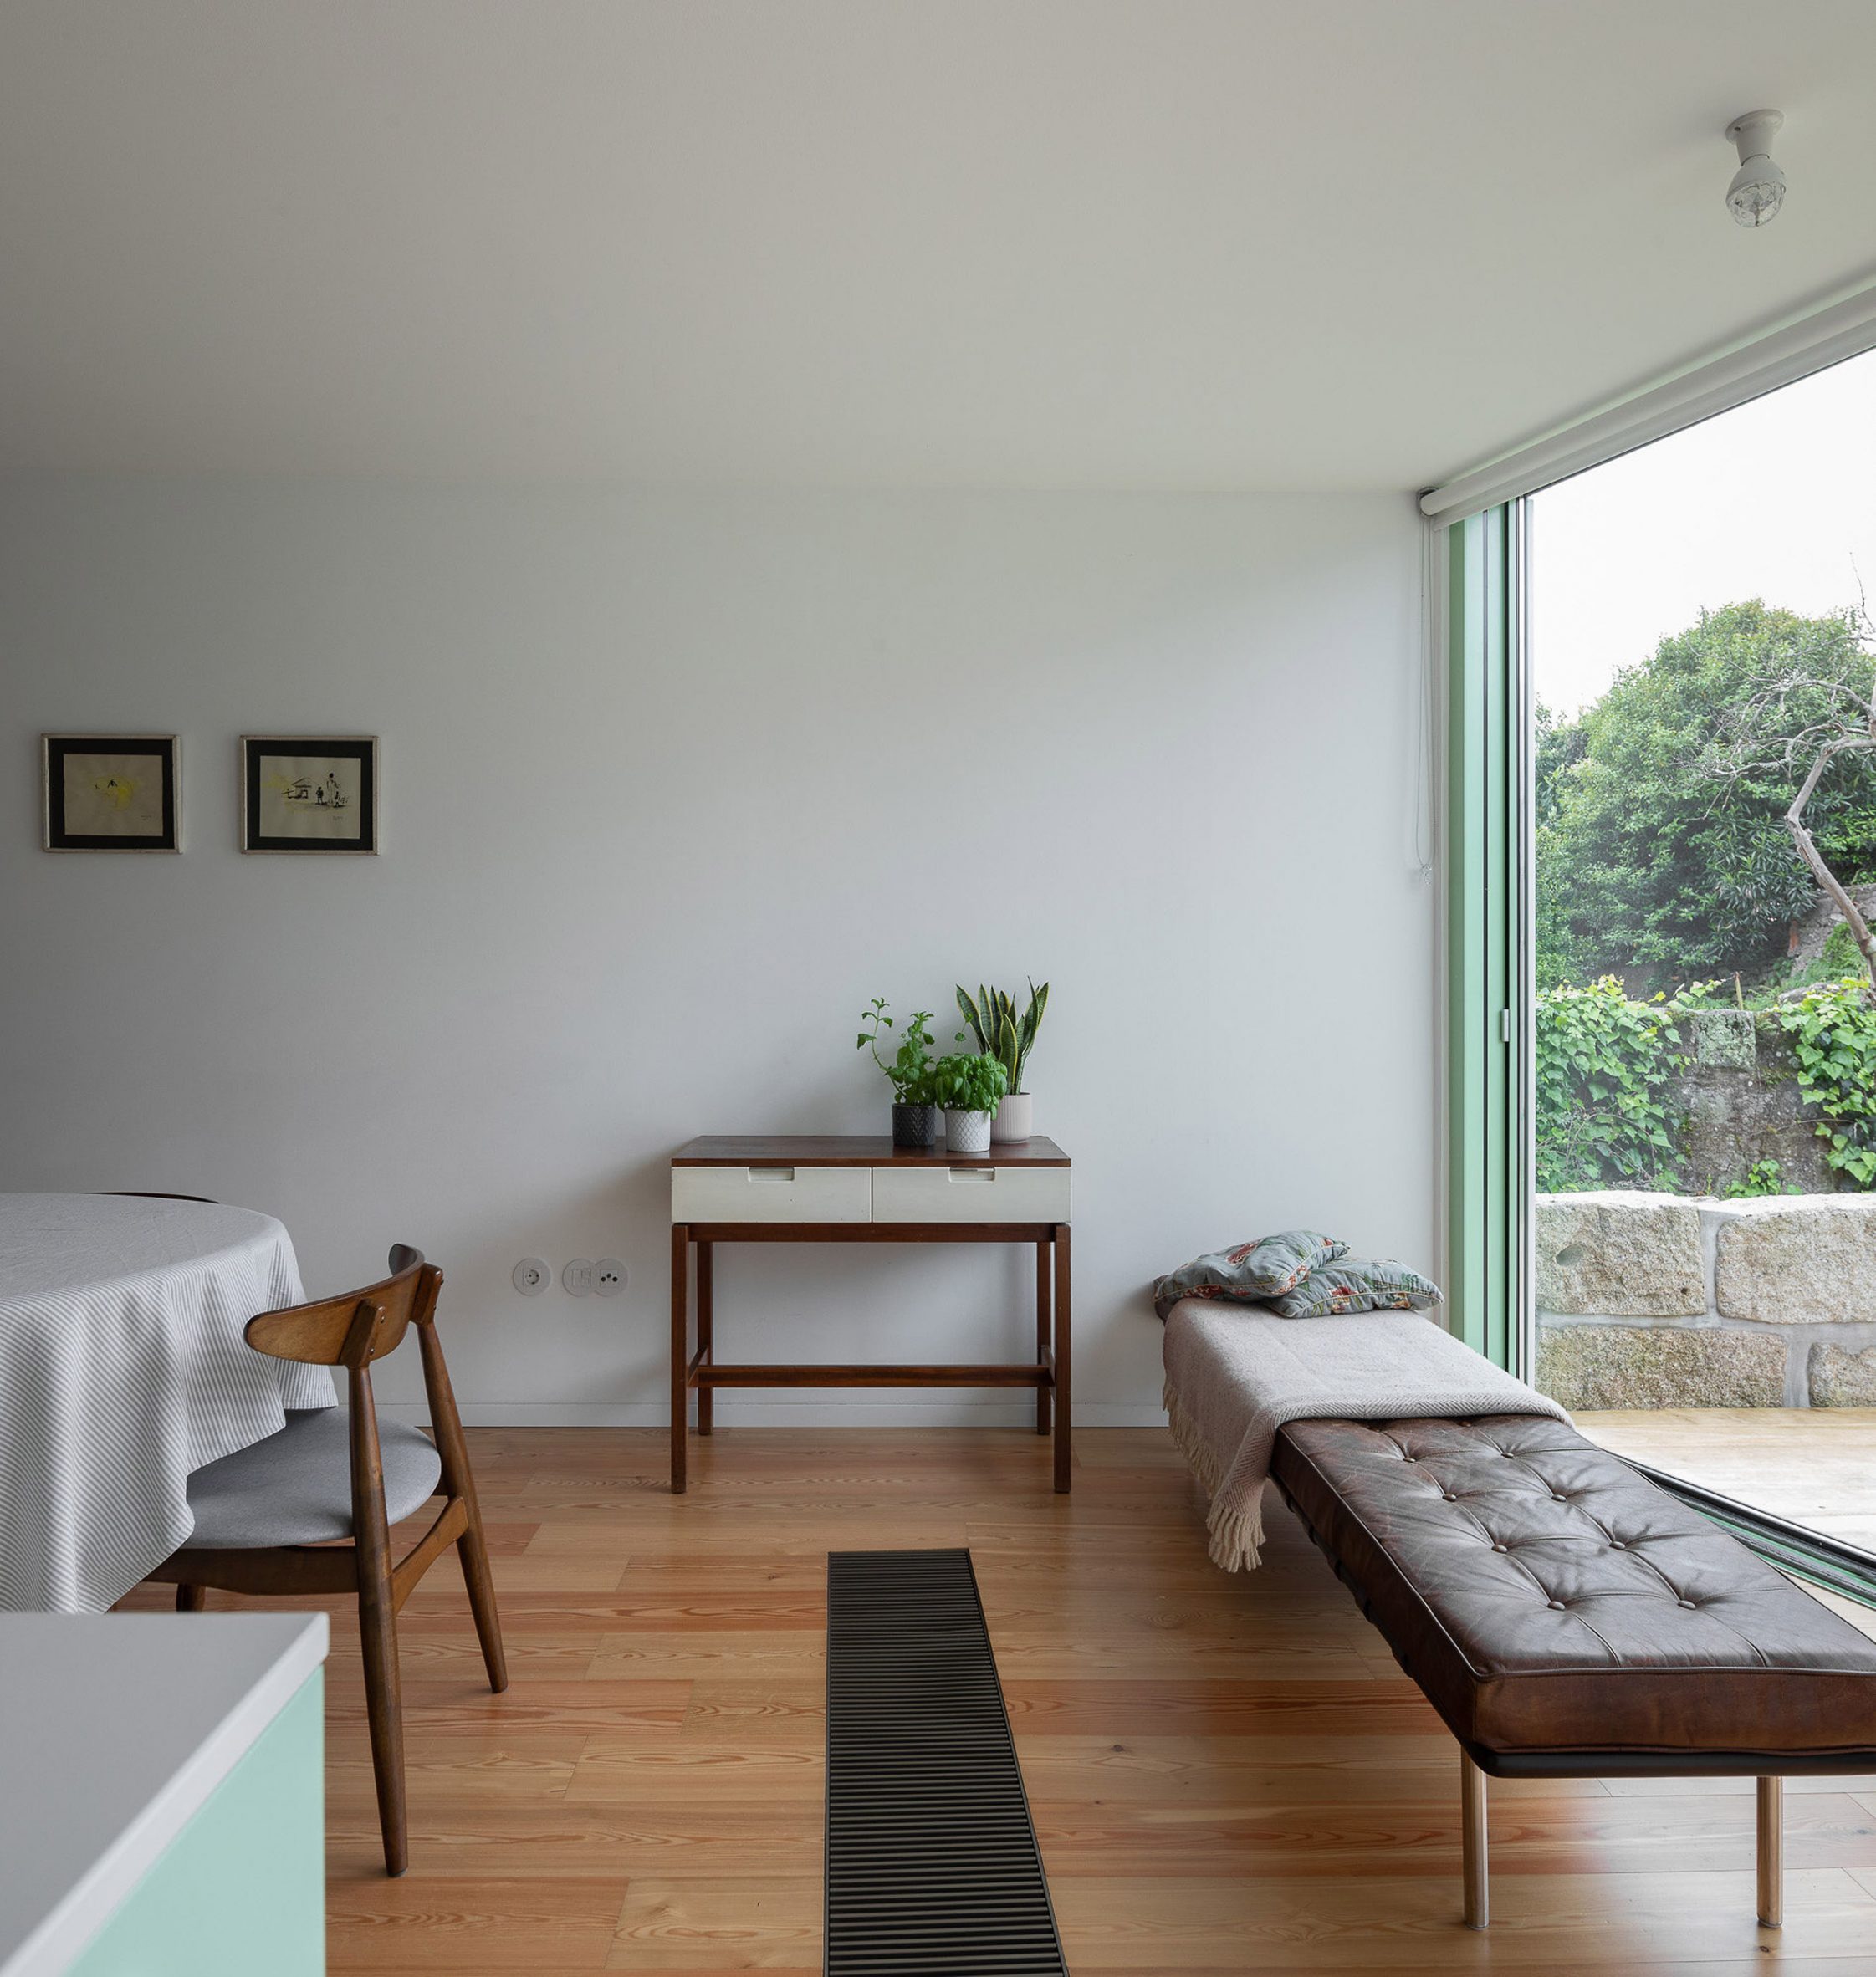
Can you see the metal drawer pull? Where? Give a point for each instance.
(770, 1173)
(971, 1173)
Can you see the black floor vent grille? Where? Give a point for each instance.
(933, 1868)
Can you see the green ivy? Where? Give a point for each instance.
(1603, 1065)
(1762, 1177)
(1832, 1029)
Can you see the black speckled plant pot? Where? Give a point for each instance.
(915, 1126)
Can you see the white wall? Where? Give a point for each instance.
(672, 784)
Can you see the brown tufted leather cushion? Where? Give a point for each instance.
(1547, 1598)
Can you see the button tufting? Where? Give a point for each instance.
(1448, 1497)
(1501, 1547)
(1617, 1544)
(1689, 1604)
(1557, 1605)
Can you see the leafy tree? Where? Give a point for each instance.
(1806, 720)
(1659, 865)
(1559, 749)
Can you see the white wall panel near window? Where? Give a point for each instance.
(672, 784)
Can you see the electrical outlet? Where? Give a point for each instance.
(609, 1277)
(577, 1278)
(532, 1276)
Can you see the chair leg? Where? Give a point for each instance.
(192, 1599)
(1475, 1866)
(1772, 1852)
(473, 1552)
(384, 1707)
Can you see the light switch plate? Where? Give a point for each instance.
(576, 1278)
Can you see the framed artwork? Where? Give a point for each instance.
(308, 793)
(112, 793)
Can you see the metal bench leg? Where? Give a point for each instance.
(1772, 1852)
(1473, 1844)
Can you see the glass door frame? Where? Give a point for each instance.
(1489, 927)
(1490, 1042)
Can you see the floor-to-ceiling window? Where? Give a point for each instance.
(1699, 745)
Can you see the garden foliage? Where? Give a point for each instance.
(1603, 1067)
(1648, 867)
(1834, 1033)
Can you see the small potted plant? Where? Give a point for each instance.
(969, 1088)
(914, 1110)
(1001, 1033)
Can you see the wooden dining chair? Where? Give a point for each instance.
(310, 1509)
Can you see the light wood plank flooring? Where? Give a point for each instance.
(1228, 1775)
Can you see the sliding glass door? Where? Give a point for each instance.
(1662, 1027)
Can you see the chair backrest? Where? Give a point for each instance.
(359, 1327)
(352, 1329)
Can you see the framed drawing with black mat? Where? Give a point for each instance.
(308, 793)
(111, 793)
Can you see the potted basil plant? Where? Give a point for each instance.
(914, 1111)
(969, 1088)
(1010, 1037)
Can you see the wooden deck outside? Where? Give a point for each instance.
(1228, 1775)
(1816, 1466)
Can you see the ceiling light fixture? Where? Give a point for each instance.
(1758, 187)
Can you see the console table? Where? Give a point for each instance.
(840, 1189)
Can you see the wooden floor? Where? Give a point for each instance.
(1227, 1774)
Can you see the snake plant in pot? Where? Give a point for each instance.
(914, 1109)
(968, 1088)
(1009, 1037)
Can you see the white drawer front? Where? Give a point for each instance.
(970, 1194)
(771, 1193)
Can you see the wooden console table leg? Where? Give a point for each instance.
(1045, 1328)
(680, 1350)
(706, 1335)
(1063, 1353)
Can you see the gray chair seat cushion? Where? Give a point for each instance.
(295, 1487)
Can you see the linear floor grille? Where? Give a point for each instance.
(933, 1868)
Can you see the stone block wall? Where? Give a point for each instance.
(1736, 1096)
(1666, 1301)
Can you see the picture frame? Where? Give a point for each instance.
(111, 792)
(311, 793)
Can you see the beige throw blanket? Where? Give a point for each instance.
(1234, 1376)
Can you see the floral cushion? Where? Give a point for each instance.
(1356, 1284)
(1267, 1268)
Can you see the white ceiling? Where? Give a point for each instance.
(1154, 243)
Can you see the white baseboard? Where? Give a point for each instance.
(783, 1413)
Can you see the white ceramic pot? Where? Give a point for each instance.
(1015, 1119)
(966, 1132)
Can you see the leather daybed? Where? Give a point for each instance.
(1569, 1620)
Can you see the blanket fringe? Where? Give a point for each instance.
(1237, 1536)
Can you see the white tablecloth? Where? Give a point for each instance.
(122, 1368)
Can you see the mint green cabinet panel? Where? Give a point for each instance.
(241, 1890)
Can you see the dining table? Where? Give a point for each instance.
(123, 1368)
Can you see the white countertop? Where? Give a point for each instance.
(114, 1729)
